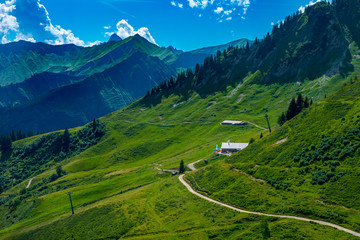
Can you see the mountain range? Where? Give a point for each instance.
(36, 79)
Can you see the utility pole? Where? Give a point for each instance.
(267, 119)
(72, 208)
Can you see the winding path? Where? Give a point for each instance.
(29, 183)
(191, 165)
(181, 123)
(181, 178)
(256, 125)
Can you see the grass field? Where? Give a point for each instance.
(118, 191)
(309, 167)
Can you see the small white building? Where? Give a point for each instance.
(232, 122)
(230, 147)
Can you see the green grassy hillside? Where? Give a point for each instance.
(125, 164)
(120, 191)
(308, 167)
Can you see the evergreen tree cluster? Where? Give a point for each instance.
(5, 144)
(24, 162)
(295, 107)
(212, 64)
(14, 135)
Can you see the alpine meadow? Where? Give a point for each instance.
(256, 138)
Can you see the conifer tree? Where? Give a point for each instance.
(197, 68)
(59, 171)
(182, 167)
(66, 140)
(6, 144)
(247, 48)
(282, 119)
(306, 102)
(218, 55)
(292, 110)
(299, 104)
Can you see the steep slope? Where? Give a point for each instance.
(114, 38)
(309, 167)
(20, 60)
(93, 97)
(36, 86)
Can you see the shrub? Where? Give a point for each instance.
(279, 185)
(53, 177)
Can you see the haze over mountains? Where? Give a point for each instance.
(37, 79)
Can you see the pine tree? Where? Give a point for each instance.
(306, 102)
(218, 55)
(299, 104)
(94, 125)
(292, 110)
(66, 140)
(261, 135)
(13, 136)
(282, 119)
(6, 144)
(247, 48)
(59, 171)
(311, 102)
(182, 167)
(197, 68)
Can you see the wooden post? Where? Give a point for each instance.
(267, 119)
(72, 208)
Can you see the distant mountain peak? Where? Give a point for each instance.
(115, 38)
(174, 50)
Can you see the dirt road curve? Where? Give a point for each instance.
(191, 165)
(29, 183)
(256, 125)
(181, 178)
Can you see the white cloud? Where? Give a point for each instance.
(235, 7)
(193, 3)
(125, 30)
(228, 19)
(62, 35)
(219, 10)
(29, 20)
(311, 3)
(109, 34)
(175, 4)
(28, 38)
(107, 27)
(228, 12)
(8, 23)
(91, 44)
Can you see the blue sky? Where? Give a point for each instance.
(185, 24)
